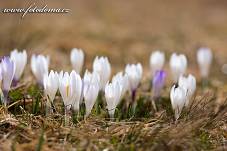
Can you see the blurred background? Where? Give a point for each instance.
(125, 31)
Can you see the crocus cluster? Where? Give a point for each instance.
(75, 89)
(182, 93)
(184, 87)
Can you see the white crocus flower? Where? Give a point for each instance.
(102, 67)
(50, 84)
(178, 99)
(189, 85)
(157, 61)
(134, 73)
(112, 95)
(77, 59)
(123, 82)
(90, 90)
(178, 65)
(70, 87)
(7, 71)
(1, 94)
(204, 59)
(39, 66)
(20, 60)
(0, 77)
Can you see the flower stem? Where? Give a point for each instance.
(49, 109)
(5, 97)
(153, 104)
(14, 83)
(67, 115)
(205, 83)
(134, 102)
(99, 103)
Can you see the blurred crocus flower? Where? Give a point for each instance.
(158, 83)
(157, 61)
(90, 90)
(123, 82)
(189, 85)
(102, 67)
(39, 66)
(178, 98)
(204, 59)
(134, 73)
(1, 94)
(20, 60)
(77, 59)
(113, 96)
(8, 70)
(50, 84)
(178, 66)
(70, 87)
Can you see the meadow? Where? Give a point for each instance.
(125, 33)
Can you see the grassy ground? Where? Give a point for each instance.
(126, 32)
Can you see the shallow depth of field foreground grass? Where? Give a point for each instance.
(202, 126)
(125, 32)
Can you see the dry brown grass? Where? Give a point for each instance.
(126, 32)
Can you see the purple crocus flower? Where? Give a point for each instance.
(8, 70)
(158, 83)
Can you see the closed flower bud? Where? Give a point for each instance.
(70, 87)
(178, 99)
(158, 83)
(77, 59)
(39, 66)
(134, 73)
(157, 61)
(0, 77)
(204, 59)
(189, 85)
(50, 84)
(8, 70)
(102, 67)
(91, 88)
(113, 96)
(20, 60)
(178, 65)
(123, 82)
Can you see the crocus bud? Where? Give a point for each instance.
(123, 82)
(90, 90)
(20, 60)
(77, 59)
(39, 66)
(1, 95)
(70, 87)
(112, 95)
(157, 61)
(189, 85)
(50, 84)
(158, 83)
(178, 99)
(8, 71)
(204, 59)
(102, 67)
(134, 73)
(0, 76)
(178, 65)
